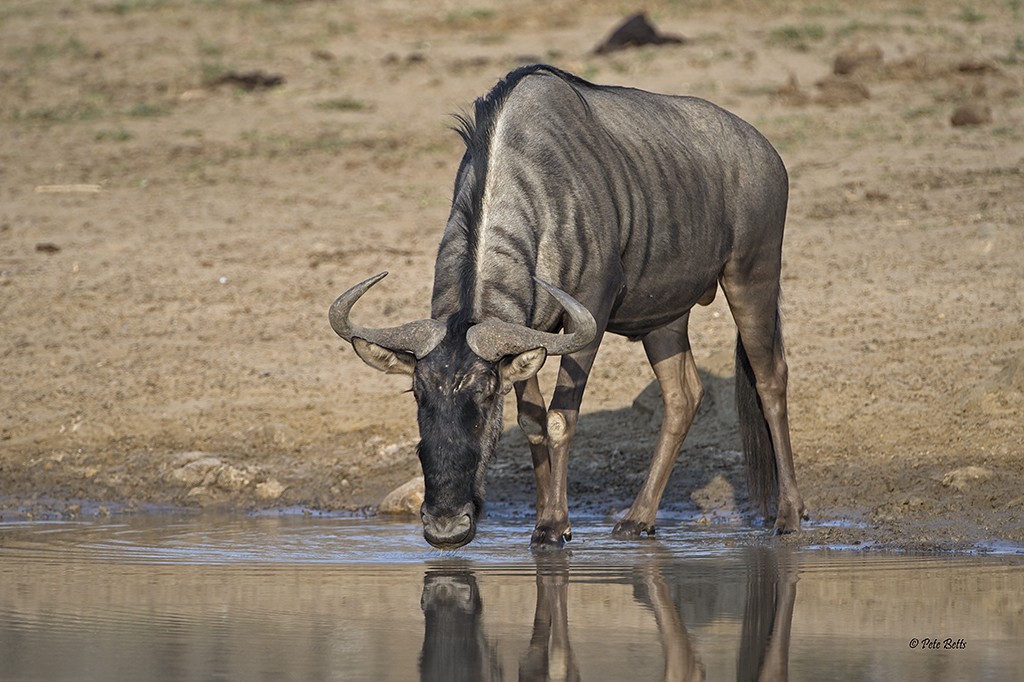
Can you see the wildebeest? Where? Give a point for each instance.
(590, 209)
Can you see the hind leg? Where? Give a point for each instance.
(668, 350)
(754, 305)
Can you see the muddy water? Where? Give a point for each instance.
(166, 598)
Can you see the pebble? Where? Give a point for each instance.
(196, 471)
(851, 59)
(404, 500)
(232, 479)
(271, 489)
(967, 477)
(972, 114)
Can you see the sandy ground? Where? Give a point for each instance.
(170, 243)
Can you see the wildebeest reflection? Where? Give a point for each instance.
(455, 646)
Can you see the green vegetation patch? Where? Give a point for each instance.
(797, 37)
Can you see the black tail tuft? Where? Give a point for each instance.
(762, 476)
(759, 612)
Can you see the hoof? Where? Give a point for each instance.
(784, 526)
(628, 529)
(783, 530)
(545, 538)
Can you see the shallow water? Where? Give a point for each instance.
(281, 598)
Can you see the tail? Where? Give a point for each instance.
(762, 475)
(759, 613)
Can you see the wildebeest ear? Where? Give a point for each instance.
(520, 367)
(384, 359)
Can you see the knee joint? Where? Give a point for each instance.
(558, 429)
(533, 429)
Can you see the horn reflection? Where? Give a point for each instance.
(456, 644)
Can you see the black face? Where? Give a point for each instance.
(460, 414)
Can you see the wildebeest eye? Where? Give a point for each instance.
(471, 384)
(486, 387)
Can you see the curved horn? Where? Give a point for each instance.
(419, 337)
(493, 339)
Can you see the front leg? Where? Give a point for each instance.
(553, 527)
(533, 422)
(537, 423)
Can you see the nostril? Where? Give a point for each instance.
(448, 532)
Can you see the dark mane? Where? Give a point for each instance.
(459, 323)
(476, 133)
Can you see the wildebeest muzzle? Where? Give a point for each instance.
(449, 530)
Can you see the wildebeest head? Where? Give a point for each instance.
(461, 372)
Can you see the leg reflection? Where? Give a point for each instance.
(550, 655)
(454, 645)
(681, 661)
(768, 616)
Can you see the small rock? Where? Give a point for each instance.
(195, 472)
(914, 502)
(406, 499)
(792, 93)
(271, 489)
(634, 31)
(89, 429)
(47, 247)
(250, 80)
(977, 66)
(837, 91)
(972, 114)
(396, 453)
(183, 458)
(232, 479)
(269, 433)
(855, 58)
(205, 496)
(411, 58)
(961, 479)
